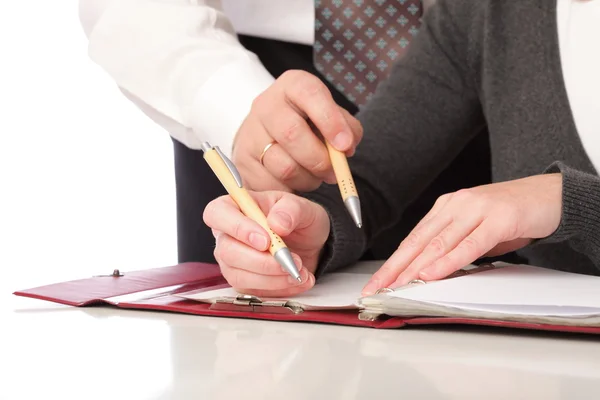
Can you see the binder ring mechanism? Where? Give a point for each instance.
(413, 282)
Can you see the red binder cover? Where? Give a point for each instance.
(155, 289)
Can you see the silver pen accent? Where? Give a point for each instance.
(284, 258)
(283, 255)
(352, 204)
(205, 146)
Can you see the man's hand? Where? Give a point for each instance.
(461, 227)
(284, 115)
(242, 244)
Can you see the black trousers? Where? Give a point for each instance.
(197, 185)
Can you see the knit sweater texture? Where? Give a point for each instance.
(475, 64)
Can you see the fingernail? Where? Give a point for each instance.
(258, 241)
(425, 275)
(341, 141)
(297, 261)
(303, 276)
(371, 288)
(284, 220)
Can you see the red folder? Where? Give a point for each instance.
(156, 289)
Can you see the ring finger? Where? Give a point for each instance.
(293, 133)
(284, 168)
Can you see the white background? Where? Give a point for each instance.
(86, 179)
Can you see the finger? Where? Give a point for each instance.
(224, 216)
(356, 128)
(291, 131)
(255, 176)
(438, 247)
(236, 254)
(292, 213)
(408, 250)
(479, 242)
(286, 170)
(243, 280)
(309, 96)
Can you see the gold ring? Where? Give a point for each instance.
(262, 155)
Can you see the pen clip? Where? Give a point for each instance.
(230, 166)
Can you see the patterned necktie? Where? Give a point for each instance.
(357, 41)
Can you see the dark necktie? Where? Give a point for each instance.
(357, 41)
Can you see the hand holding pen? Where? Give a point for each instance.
(296, 137)
(265, 240)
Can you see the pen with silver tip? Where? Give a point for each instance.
(230, 178)
(341, 169)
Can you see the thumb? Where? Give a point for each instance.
(291, 213)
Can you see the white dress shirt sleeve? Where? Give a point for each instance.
(179, 61)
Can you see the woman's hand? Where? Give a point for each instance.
(464, 226)
(242, 244)
(277, 148)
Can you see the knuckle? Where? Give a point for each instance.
(442, 199)
(470, 245)
(320, 167)
(411, 241)
(238, 230)
(437, 245)
(288, 171)
(463, 195)
(291, 75)
(266, 266)
(292, 130)
(259, 102)
(311, 86)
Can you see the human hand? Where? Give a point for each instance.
(242, 244)
(461, 227)
(285, 115)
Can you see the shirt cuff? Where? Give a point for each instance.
(224, 100)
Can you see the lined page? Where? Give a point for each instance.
(517, 289)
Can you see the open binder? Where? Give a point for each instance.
(500, 295)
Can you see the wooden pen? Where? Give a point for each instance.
(230, 178)
(341, 169)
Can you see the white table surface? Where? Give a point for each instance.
(51, 351)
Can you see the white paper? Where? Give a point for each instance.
(335, 290)
(515, 289)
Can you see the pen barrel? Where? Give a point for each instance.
(339, 162)
(242, 198)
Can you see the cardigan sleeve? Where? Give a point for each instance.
(580, 216)
(418, 121)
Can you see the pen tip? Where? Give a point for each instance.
(353, 206)
(299, 279)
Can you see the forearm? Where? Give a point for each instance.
(179, 62)
(417, 122)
